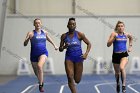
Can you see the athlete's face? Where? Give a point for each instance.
(120, 27)
(37, 24)
(71, 25)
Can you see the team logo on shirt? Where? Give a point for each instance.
(72, 43)
(124, 37)
(39, 37)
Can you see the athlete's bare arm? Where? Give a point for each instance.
(84, 38)
(50, 40)
(62, 44)
(130, 41)
(111, 39)
(28, 37)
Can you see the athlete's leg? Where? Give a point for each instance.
(40, 65)
(117, 72)
(117, 76)
(78, 70)
(123, 64)
(34, 65)
(69, 67)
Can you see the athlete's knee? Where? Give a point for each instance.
(36, 72)
(117, 73)
(77, 81)
(122, 69)
(70, 79)
(39, 67)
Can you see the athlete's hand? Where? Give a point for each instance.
(111, 38)
(56, 48)
(84, 56)
(129, 48)
(114, 35)
(66, 45)
(63, 47)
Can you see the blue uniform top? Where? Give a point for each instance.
(74, 45)
(119, 45)
(38, 44)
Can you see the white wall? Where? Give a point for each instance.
(110, 7)
(96, 30)
(44, 7)
(64, 7)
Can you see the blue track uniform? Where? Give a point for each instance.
(119, 45)
(119, 48)
(74, 50)
(38, 46)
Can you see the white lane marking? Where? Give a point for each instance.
(129, 86)
(97, 85)
(29, 87)
(62, 88)
(33, 86)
